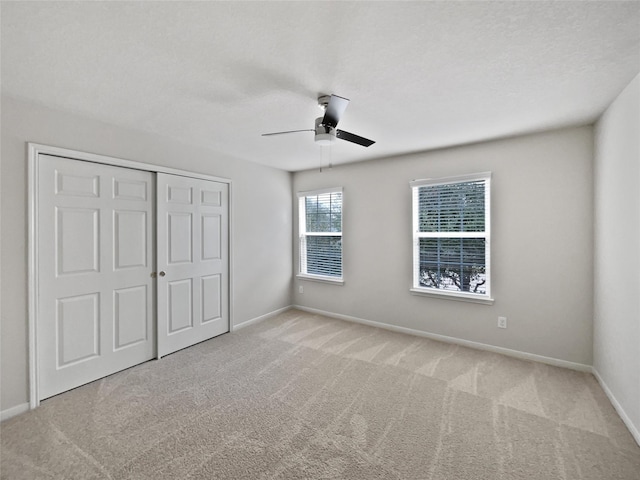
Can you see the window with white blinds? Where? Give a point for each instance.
(320, 228)
(451, 236)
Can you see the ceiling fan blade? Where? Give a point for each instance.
(288, 131)
(352, 137)
(335, 108)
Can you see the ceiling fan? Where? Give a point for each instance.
(325, 127)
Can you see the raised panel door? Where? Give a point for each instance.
(193, 261)
(95, 258)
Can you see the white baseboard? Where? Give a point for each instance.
(261, 318)
(13, 411)
(458, 341)
(635, 431)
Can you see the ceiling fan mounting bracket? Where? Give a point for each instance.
(323, 101)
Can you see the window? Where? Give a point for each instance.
(320, 226)
(451, 233)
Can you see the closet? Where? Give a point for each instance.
(129, 264)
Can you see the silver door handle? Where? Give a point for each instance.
(162, 274)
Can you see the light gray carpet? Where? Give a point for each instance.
(301, 396)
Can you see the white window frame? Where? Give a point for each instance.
(302, 234)
(417, 235)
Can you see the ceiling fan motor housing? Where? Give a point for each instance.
(325, 134)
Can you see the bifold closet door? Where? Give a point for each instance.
(95, 258)
(193, 261)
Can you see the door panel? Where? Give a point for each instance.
(211, 198)
(68, 183)
(95, 257)
(127, 189)
(77, 246)
(180, 238)
(211, 240)
(211, 298)
(179, 194)
(130, 248)
(78, 332)
(130, 313)
(180, 305)
(193, 246)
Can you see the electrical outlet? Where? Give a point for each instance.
(502, 322)
(300, 289)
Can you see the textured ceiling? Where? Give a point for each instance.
(420, 75)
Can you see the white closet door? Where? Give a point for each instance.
(193, 261)
(95, 259)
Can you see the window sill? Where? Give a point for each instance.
(460, 297)
(318, 278)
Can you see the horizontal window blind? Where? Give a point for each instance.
(451, 234)
(320, 226)
(458, 207)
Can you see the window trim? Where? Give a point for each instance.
(302, 227)
(450, 295)
(320, 278)
(415, 289)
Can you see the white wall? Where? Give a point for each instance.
(542, 257)
(261, 219)
(617, 252)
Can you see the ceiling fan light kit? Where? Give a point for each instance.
(325, 127)
(325, 135)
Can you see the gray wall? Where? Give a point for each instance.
(617, 251)
(261, 219)
(542, 248)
